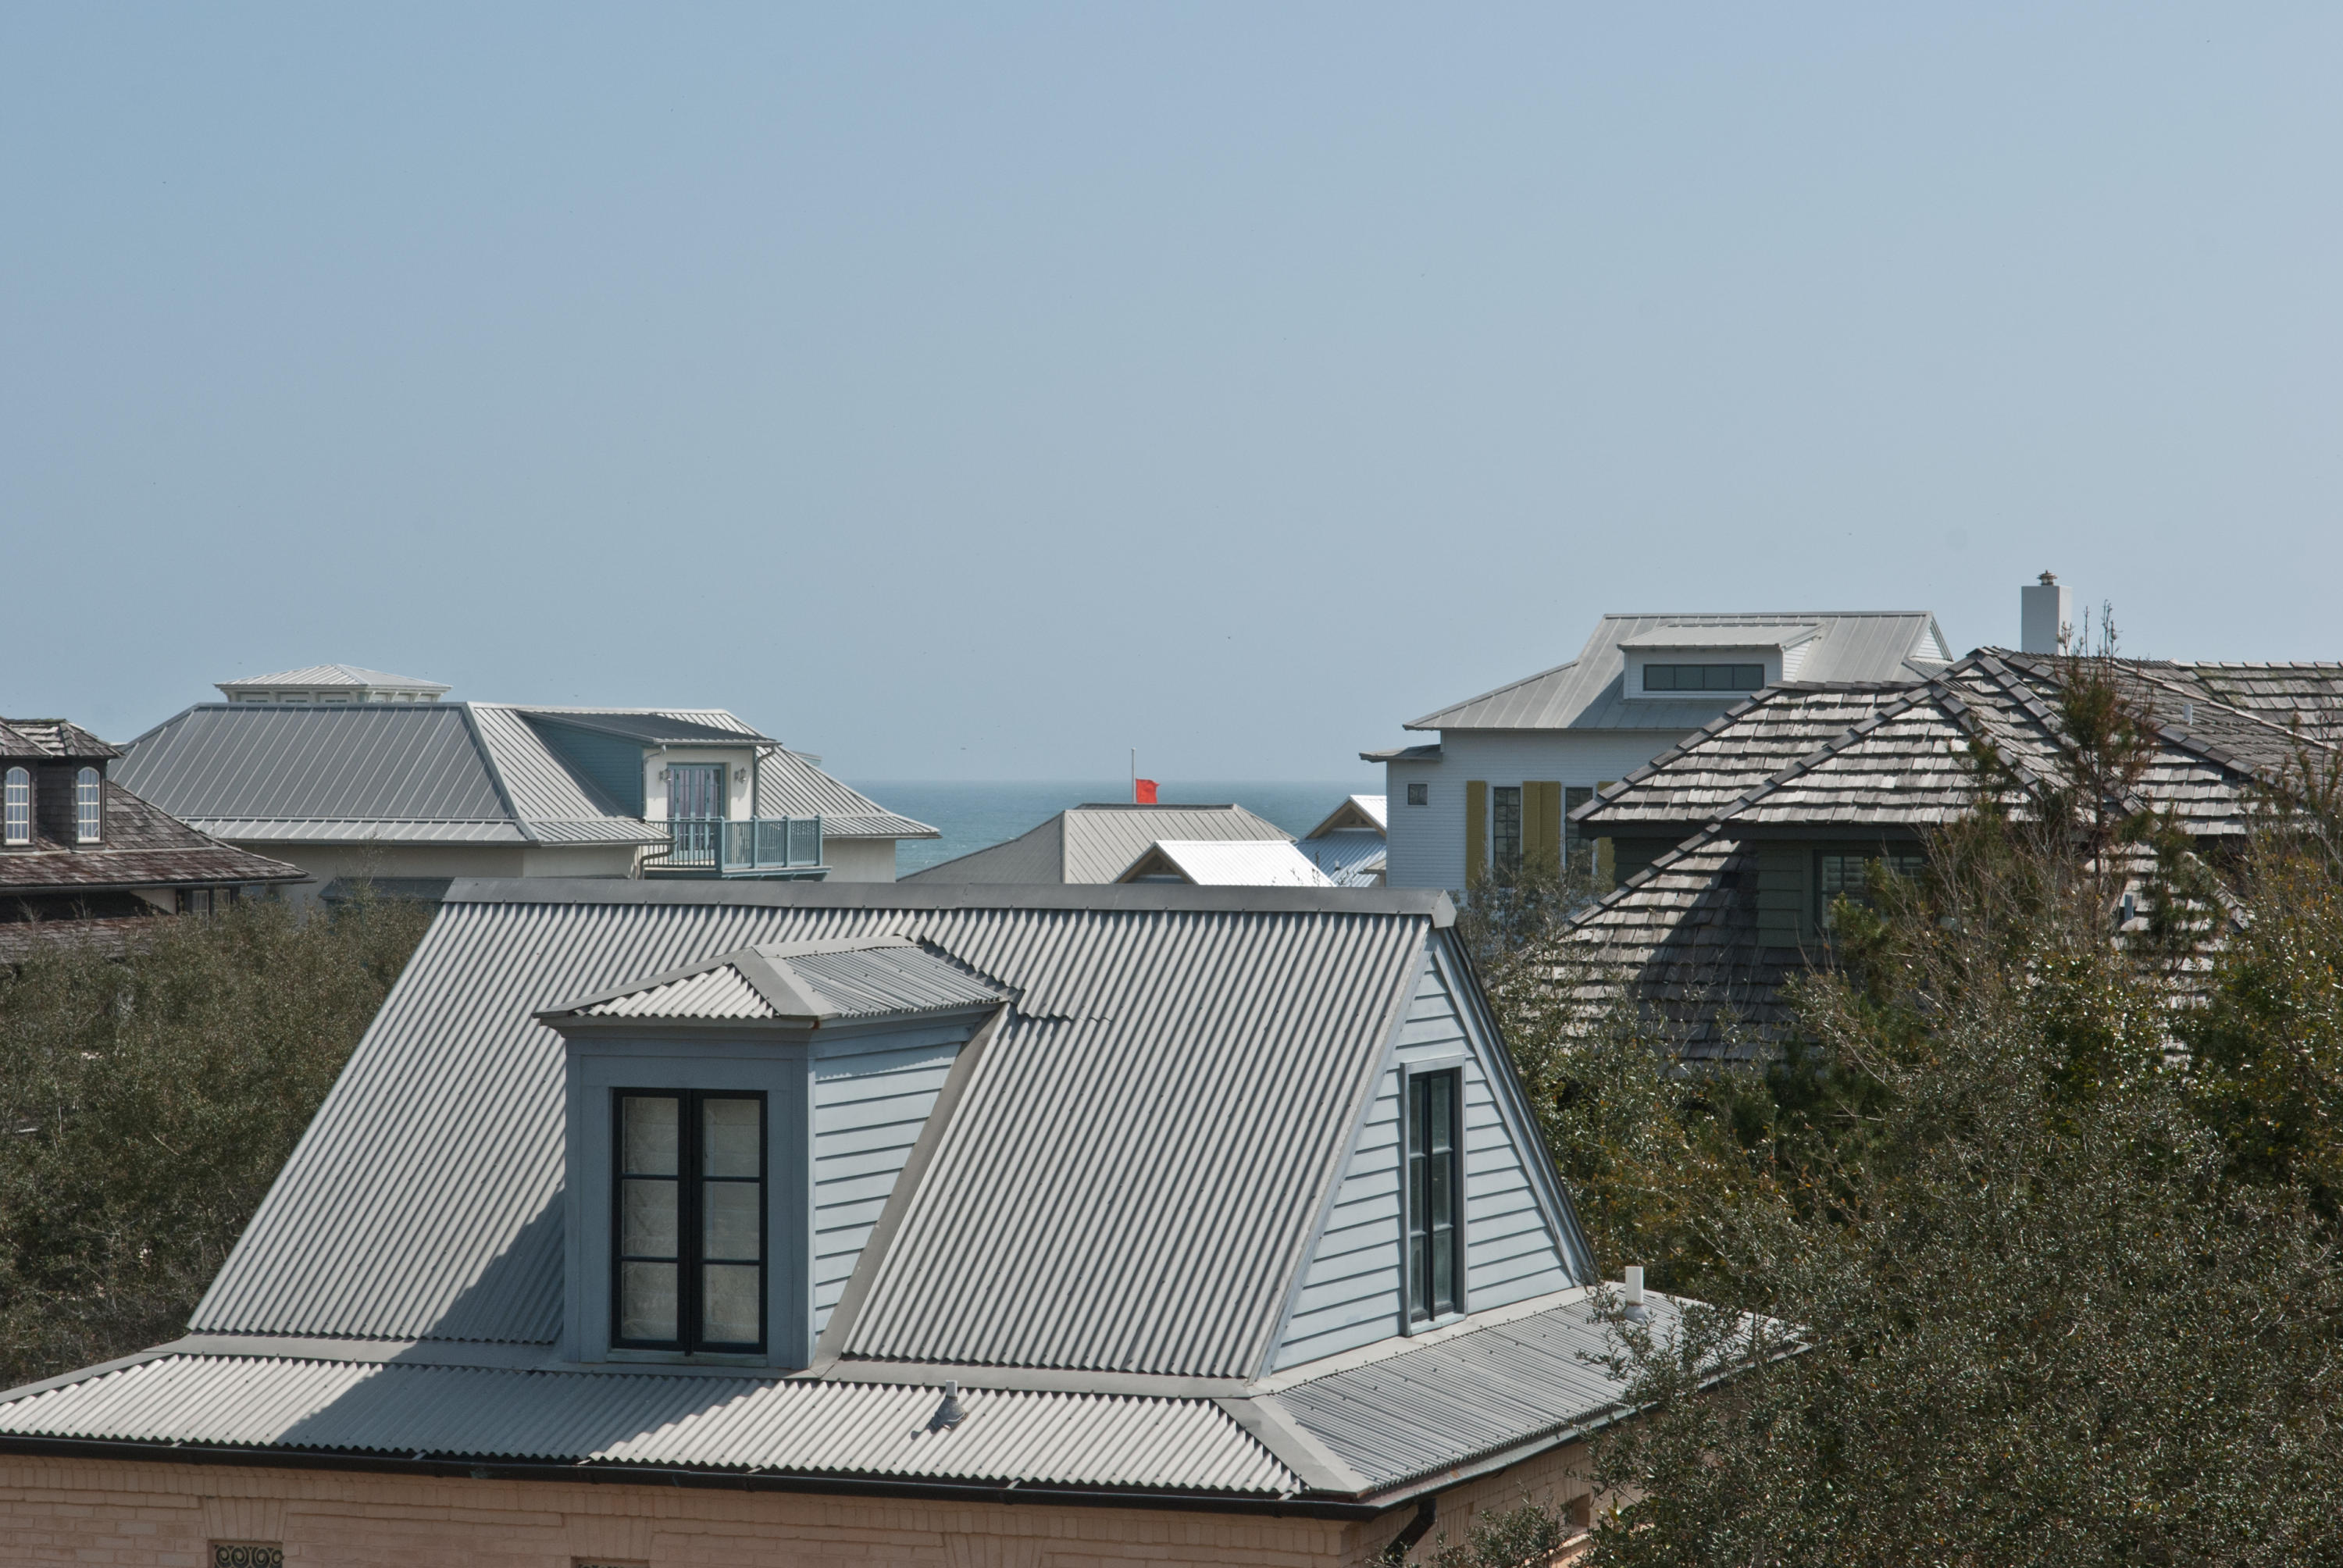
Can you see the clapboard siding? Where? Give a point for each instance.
(1350, 1292)
(867, 1112)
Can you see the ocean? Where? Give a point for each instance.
(974, 816)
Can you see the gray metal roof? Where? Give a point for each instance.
(1228, 863)
(1585, 693)
(459, 773)
(332, 675)
(863, 978)
(638, 1418)
(1097, 843)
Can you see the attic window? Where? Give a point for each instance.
(688, 1217)
(1704, 677)
(1419, 794)
(89, 806)
(1435, 1241)
(16, 808)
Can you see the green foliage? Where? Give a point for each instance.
(147, 1101)
(1527, 1534)
(2057, 1291)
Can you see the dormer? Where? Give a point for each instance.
(734, 1129)
(52, 785)
(1712, 663)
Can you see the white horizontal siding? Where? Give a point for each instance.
(1350, 1293)
(867, 1112)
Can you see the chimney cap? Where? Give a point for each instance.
(2049, 579)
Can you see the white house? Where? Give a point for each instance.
(1498, 785)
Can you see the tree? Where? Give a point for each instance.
(147, 1103)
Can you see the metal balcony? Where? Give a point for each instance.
(783, 847)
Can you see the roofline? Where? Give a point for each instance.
(491, 1467)
(1429, 903)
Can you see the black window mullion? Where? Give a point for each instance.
(690, 1181)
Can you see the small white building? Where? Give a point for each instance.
(1497, 786)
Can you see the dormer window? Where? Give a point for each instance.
(1704, 677)
(89, 806)
(687, 1254)
(16, 808)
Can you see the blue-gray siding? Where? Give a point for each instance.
(867, 1112)
(1351, 1288)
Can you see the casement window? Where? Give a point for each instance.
(16, 807)
(89, 807)
(1419, 794)
(1505, 826)
(1704, 677)
(1436, 1194)
(688, 1220)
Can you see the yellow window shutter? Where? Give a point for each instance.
(1541, 830)
(1476, 831)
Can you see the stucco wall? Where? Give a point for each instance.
(138, 1515)
(860, 860)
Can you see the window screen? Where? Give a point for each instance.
(1435, 1253)
(1704, 677)
(1505, 825)
(688, 1221)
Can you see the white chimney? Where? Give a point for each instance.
(2046, 616)
(1635, 1282)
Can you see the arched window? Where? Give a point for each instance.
(89, 806)
(16, 808)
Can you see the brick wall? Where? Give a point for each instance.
(136, 1514)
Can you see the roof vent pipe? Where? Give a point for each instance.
(1634, 1276)
(2046, 616)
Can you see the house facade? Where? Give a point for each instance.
(82, 856)
(1498, 786)
(382, 780)
(659, 1223)
(1732, 847)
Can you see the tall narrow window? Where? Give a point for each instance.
(89, 807)
(16, 808)
(688, 1220)
(1505, 826)
(1435, 1251)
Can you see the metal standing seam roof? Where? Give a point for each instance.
(461, 772)
(1221, 863)
(317, 675)
(1587, 693)
(1097, 843)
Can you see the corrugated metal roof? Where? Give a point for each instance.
(1149, 1121)
(1126, 1181)
(1097, 843)
(642, 1418)
(1585, 694)
(859, 978)
(647, 728)
(1219, 863)
(1350, 856)
(1423, 1411)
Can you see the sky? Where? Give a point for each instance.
(978, 392)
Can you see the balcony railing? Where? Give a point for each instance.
(739, 847)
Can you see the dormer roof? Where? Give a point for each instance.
(800, 983)
(1226, 863)
(1097, 842)
(52, 740)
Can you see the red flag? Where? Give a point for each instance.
(1142, 792)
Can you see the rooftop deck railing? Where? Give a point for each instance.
(739, 846)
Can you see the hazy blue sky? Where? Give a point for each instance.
(979, 391)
